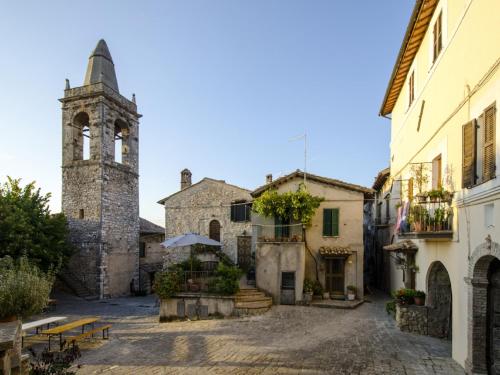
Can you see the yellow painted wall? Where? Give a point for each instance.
(468, 63)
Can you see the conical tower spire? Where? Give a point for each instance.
(101, 67)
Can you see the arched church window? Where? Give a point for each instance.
(120, 141)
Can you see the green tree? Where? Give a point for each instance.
(28, 228)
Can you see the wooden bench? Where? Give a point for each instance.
(104, 329)
(58, 331)
(37, 324)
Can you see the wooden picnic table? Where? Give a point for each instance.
(59, 330)
(40, 323)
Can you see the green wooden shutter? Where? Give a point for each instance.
(327, 222)
(469, 154)
(277, 228)
(335, 222)
(489, 152)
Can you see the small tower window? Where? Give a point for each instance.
(121, 141)
(118, 144)
(81, 137)
(81, 214)
(86, 142)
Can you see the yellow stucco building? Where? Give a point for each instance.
(442, 100)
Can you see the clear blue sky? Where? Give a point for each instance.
(222, 85)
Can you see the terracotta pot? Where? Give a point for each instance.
(8, 319)
(419, 301)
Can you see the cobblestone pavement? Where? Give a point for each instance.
(286, 340)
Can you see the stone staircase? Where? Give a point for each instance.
(251, 301)
(76, 286)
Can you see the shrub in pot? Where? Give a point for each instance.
(404, 296)
(24, 288)
(351, 292)
(419, 298)
(308, 290)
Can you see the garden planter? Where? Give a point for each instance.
(351, 296)
(307, 297)
(419, 301)
(326, 295)
(417, 227)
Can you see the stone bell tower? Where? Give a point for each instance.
(100, 192)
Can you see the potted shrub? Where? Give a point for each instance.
(404, 296)
(351, 292)
(419, 298)
(308, 291)
(422, 197)
(317, 290)
(439, 214)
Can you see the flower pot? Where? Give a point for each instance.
(419, 301)
(307, 296)
(326, 295)
(351, 296)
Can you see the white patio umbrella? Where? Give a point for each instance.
(188, 239)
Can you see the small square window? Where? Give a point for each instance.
(142, 249)
(81, 214)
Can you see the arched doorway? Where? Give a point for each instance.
(493, 319)
(484, 309)
(439, 301)
(214, 230)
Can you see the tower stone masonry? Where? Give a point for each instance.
(100, 182)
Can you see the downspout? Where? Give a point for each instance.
(310, 252)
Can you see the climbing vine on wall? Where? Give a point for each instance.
(299, 205)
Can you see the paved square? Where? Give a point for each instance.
(286, 340)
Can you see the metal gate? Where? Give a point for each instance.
(245, 252)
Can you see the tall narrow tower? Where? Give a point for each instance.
(100, 192)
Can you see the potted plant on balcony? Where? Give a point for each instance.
(419, 298)
(439, 214)
(351, 292)
(422, 197)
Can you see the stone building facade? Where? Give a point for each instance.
(100, 192)
(211, 208)
(151, 253)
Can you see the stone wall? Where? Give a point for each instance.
(195, 306)
(192, 209)
(412, 318)
(12, 361)
(152, 262)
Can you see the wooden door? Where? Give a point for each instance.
(334, 279)
(244, 252)
(214, 230)
(493, 339)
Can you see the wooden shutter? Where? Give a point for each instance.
(327, 222)
(469, 154)
(410, 189)
(233, 212)
(489, 143)
(335, 222)
(436, 172)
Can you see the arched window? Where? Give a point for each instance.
(81, 137)
(120, 141)
(214, 230)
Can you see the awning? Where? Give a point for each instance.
(405, 246)
(335, 251)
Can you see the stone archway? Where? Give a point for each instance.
(439, 301)
(478, 284)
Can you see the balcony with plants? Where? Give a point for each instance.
(428, 216)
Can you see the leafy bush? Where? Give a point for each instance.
(351, 288)
(227, 280)
(24, 289)
(390, 307)
(168, 283)
(308, 286)
(419, 294)
(404, 296)
(53, 363)
(28, 228)
(317, 288)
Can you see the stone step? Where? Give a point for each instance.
(266, 303)
(261, 297)
(245, 312)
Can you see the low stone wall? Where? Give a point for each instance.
(196, 306)
(412, 318)
(12, 361)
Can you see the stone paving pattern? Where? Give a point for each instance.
(286, 340)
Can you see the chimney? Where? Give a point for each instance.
(269, 178)
(185, 178)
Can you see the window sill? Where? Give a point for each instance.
(331, 236)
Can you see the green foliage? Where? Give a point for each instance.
(216, 250)
(351, 288)
(227, 280)
(168, 283)
(419, 294)
(28, 228)
(191, 264)
(24, 289)
(404, 296)
(53, 363)
(308, 286)
(390, 307)
(299, 205)
(317, 288)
